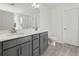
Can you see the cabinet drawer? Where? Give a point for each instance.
(35, 43)
(36, 52)
(44, 33)
(11, 43)
(35, 36)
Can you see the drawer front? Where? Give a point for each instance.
(11, 43)
(35, 36)
(35, 43)
(44, 33)
(36, 52)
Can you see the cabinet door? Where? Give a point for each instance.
(43, 43)
(26, 49)
(0, 48)
(15, 51)
(36, 52)
(0, 52)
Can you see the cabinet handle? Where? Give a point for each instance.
(20, 51)
(36, 38)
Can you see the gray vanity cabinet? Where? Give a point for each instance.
(43, 42)
(20, 50)
(0, 53)
(18, 47)
(31, 45)
(26, 49)
(15, 51)
(0, 48)
(35, 45)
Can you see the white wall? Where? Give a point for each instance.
(45, 17)
(57, 19)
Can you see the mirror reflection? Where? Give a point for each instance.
(24, 16)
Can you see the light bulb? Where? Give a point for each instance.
(35, 5)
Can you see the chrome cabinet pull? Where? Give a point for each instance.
(20, 51)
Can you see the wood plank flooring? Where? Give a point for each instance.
(62, 50)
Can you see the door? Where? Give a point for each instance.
(15, 51)
(26, 49)
(70, 26)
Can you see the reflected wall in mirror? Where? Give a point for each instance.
(6, 20)
(25, 15)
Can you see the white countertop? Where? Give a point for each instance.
(6, 35)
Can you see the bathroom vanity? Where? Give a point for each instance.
(21, 33)
(27, 44)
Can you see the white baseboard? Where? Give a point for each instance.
(53, 38)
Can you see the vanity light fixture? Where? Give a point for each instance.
(35, 5)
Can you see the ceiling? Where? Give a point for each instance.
(19, 4)
(52, 5)
(26, 5)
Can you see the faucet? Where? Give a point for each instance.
(36, 28)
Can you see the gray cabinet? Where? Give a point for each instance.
(20, 50)
(32, 45)
(15, 51)
(26, 49)
(36, 52)
(43, 42)
(0, 48)
(36, 45)
(11, 43)
(18, 47)
(0, 53)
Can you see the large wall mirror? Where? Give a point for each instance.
(6, 20)
(28, 17)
